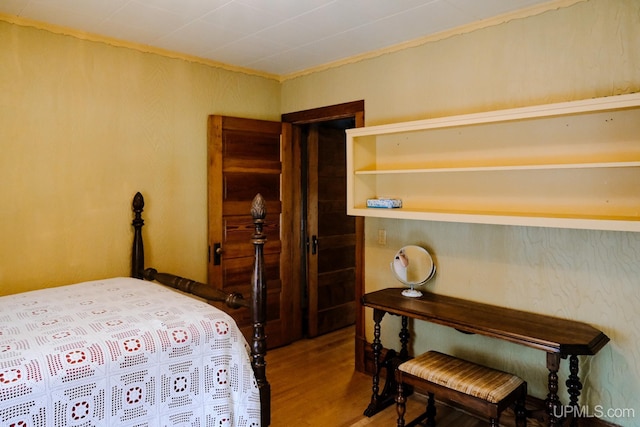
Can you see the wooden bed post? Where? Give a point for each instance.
(259, 309)
(257, 304)
(137, 251)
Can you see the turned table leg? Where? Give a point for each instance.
(573, 387)
(404, 339)
(553, 401)
(376, 346)
(380, 399)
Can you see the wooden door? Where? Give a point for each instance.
(248, 157)
(331, 234)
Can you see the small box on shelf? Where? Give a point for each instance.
(384, 202)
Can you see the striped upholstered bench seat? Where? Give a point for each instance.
(482, 390)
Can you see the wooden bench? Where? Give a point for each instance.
(482, 390)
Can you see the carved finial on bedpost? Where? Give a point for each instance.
(137, 251)
(259, 309)
(258, 209)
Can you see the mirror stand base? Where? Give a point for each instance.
(412, 293)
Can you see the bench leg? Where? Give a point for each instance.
(431, 411)
(400, 404)
(521, 410)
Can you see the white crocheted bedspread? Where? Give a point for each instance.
(122, 352)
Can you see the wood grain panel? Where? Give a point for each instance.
(245, 158)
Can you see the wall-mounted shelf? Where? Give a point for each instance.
(571, 165)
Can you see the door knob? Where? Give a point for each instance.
(217, 253)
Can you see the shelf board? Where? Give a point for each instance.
(627, 164)
(603, 222)
(532, 112)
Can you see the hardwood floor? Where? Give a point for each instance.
(314, 383)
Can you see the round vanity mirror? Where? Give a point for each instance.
(413, 266)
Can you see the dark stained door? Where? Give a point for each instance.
(316, 312)
(331, 233)
(246, 157)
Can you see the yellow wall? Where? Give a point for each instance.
(83, 126)
(590, 49)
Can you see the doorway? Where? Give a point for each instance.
(330, 245)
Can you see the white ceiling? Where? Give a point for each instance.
(278, 37)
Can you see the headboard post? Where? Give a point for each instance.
(137, 250)
(259, 309)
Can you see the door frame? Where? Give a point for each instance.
(355, 110)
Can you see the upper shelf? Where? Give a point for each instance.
(438, 169)
(572, 164)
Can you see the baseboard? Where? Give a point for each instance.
(535, 406)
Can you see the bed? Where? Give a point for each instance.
(128, 351)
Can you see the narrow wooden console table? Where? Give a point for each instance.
(559, 338)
